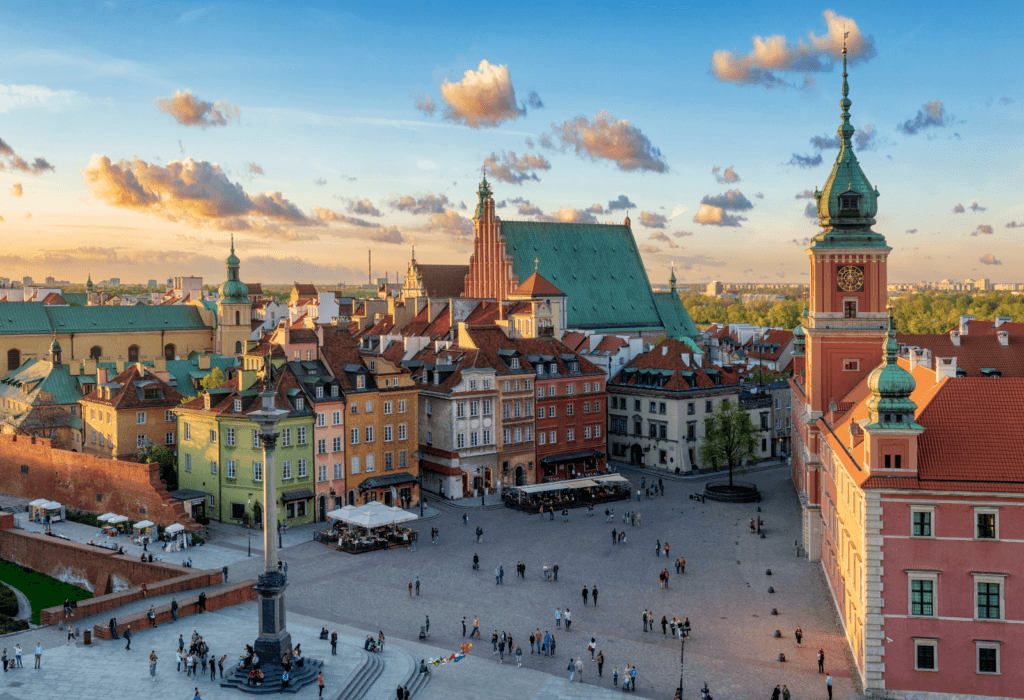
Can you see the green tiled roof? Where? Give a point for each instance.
(59, 383)
(29, 318)
(597, 266)
(80, 298)
(674, 316)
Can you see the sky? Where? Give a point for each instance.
(137, 138)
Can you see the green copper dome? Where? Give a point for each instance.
(799, 340)
(88, 283)
(233, 290)
(485, 193)
(54, 346)
(891, 385)
(848, 203)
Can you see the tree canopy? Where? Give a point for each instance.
(729, 437)
(214, 379)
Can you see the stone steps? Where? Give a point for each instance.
(363, 679)
(272, 679)
(416, 680)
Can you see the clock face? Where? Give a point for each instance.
(850, 278)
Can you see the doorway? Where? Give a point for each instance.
(323, 508)
(636, 455)
(520, 475)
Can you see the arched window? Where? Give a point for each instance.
(13, 359)
(169, 351)
(95, 352)
(133, 353)
(238, 318)
(238, 347)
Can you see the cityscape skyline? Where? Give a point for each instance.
(143, 167)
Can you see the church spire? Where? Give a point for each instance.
(890, 405)
(484, 194)
(672, 278)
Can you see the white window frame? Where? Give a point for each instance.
(303, 468)
(188, 431)
(213, 466)
(321, 419)
(336, 418)
(353, 436)
(931, 511)
(934, 643)
(570, 435)
(354, 465)
(388, 408)
(460, 441)
(286, 437)
(980, 644)
(370, 464)
(389, 433)
(319, 392)
(286, 470)
(321, 473)
(336, 444)
(231, 469)
(369, 437)
(932, 576)
(213, 437)
(302, 435)
(168, 438)
(168, 416)
(541, 438)
(188, 462)
(339, 472)
(553, 437)
(460, 409)
(238, 405)
(230, 437)
(986, 510)
(507, 435)
(256, 439)
(487, 437)
(321, 446)
(403, 431)
(402, 406)
(989, 578)
(140, 440)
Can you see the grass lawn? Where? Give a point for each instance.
(42, 591)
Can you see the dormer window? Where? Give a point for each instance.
(300, 404)
(849, 203)
(540, 368)
(514, 363)
(238, 405)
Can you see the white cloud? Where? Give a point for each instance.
(28, 96)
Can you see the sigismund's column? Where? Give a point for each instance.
(273, 641)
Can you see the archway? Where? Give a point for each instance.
(636, 455)
(169, 351)
(133, 353)
(95, 352)
(13, 359)
(323, 507)
(520, 475)
(238, 318)
(238, 347)
(351, 498)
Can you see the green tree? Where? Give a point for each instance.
(729, 437)
(214, 379)
(150, 453)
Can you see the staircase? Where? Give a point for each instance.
(300, 677)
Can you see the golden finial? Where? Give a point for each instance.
(536, 264)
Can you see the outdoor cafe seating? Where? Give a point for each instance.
(572, 493)
(367, 528)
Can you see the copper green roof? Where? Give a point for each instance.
(891, 386)
(674, 316)
(848, 203)
(598, 266)
(79, 298)
(233, 290)
(33, 318)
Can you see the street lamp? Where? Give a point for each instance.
(682, 649)
(250, 525)
(419, 481)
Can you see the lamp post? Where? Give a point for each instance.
(250, 525)
(682, 649)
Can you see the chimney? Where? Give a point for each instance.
(664, 350)
(1000, 320)
(954, 336)
(1004, 338)
(855, 434)
(160, 363)
(685, 358)
(964, 321)
(945, 367)
(914, 355)
(101, 375)
(204, 361)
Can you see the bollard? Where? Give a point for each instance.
(775, 611)
(771, 589)
(778, 634)
(782, 658)
(768, 572)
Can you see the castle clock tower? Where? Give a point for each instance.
(847, 321)
(234, 310)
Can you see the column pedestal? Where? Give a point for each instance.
(274, 640)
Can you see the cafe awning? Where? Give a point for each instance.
(571, 456)
(176, 527)
(297, 495)
(373, 514)
(385, 480)
(188, 495)
(114, 520)
(142, 525)
(105, 517)
(610, 478)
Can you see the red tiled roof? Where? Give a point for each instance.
(989, 327)
(440, 326)
(394, 352)
(610, 343)
(537, 286)
(255, 288)
(418, 325)
(975, 352)
(573, 340)
(443, 280)
(485, 313)
(672, 361)
(54, 299)
(304, 290)
(303, 336)
(131, 396)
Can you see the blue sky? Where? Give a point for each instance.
(327, 93)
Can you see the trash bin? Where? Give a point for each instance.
(87, 637)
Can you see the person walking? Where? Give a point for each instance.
(558, 617)
(547, 643)
(533, 642)
(479, 534)
(632, 516)
(519, 658)
(777, 693)
(177, 657)
(674, 626)
(606, 515)
(496, 581)
(828, 684)
(645, 620)
(585, 594)
(174, 609)
(615, 677)
(220, 665)
(579, 669)
(17, 656)
(128, 638)
(657, 548)
(476, 628)
(666, 550)
(410, 589)
(600, 662)
(821, 660)
(320, 683)
(639, 522)
(463, 627)
(426, 625)
(501, 650)
(664, 626)
(152, 665)
(615, 535)
(417, 585)
(3, 659)
(572, 670)
(501, 575)
(476, 562)
(632, 678)
(568, 620)
(799, 634)
(465, 518)
(785, 692)
(592, 647)
(593, 594)
(682, 565)
(554, 570)
(334, 639)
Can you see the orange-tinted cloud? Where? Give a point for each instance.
(727, 178)
(11, 160)
(569, 215)
(363, 207)
(428, 204)
(387, 235)
(713, 209)
(989, 259)
(652, 220)
(452, 223)
(16, 190)
(649, 249)
(188, 110)
(662, 238)
(254, 168)
(506, 167)
(197, 191)
(609, 139)
(321, 214)
(484, 97)
(777, 55)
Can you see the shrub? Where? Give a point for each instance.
(8, 625)
(80, 516)
(8, 601)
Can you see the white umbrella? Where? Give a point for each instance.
(176, 527)
(39, 503)
(144, 524)
(115, 519)
(105, 517)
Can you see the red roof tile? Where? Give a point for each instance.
(974, 353)
(536, 286)
(989, 327)
(573, 340)
(443, 280)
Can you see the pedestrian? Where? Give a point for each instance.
(828, 684)
(177, 657)
(592, 647)
(600, 662)
(220, 665)
(585, 594)
(558, 617)
(639, 522)
(777, 693)
(551, 512)
(632, 678)
(607, 515)
(519, 657)
(645, 620)
(463, 627)
(426, 626)
(579, 669)
(334, 640)
(496, 575)
(632, 516)
(661, 486)
(682, 565)
(200, 697)
(286, 571)
(71, 633)
(785, 692)
(152, 665)
(501, 575)
(476, 562)
(320, 683)
(686, 627)
(533, 642)
(479, 533)
(664, 626)
(127, 637)
(17, 655)
(410, 589)
(412, 540)
(666, 550)
(799, 634)
(152, 616)
(547, 576)
(554, 570)
(501, 651)
(113, 628)
(546, 649)
(174, 609)
(572, 670)
(417, 584)
(568, 620)
(593, 594)
(476, 628)
(661, 579)
(465, 518)
(615, 677)
(551, 647)
(657, 548)
(611, 516)
(3, 658)
(821, 660)
(181, 643)
(672, 625)
(615, 535)
(202, 596)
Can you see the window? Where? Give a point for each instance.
(586, 433)
(474, 439)
(541, 437)
(334, 389)
(851, 365)
(336, 418)
(474, 409)
(551, 411)
(553, 437)
(168, 416)
(691, 409)
(355, 408)
(230, 437)
(921, 522)
(403, 459)
(303, 468)
(403, 432)
(653, 407)
(989, 598)
(336, 445)
(529, 408)
(568, 409)
(321, 420)
(922, 595)
(353, 435)
(487, 407)
(987, 522)
(472, 384)
(850, 309)
(487, 437)
(637, 427)
(337, 471)
(388, 433)
(369, 407)
(389, 461)
(188, 431)
(460, 440)
(506, 411)
(514, 363)
(570, 435)
(568, 389)
(597, 407)
(286, 469)
(663, 427)
(429, 410)
(597, 431)
(586, 407)
(519, 435)
(540, 392)
(369, 433)
(213, 436)
(988, 656)
(430, 438)
(257, 471)
(361, 381)
(168, 438)
(321, 472)
(140, 440)
(355, 465)
(321, 446)
(709, 406)
(300, 404)
(231, 469)
(286, 437)
(652, 430)
(540, 411)
(388, 406)
(302, 435)
(460, 409)
(924, 655)
(507, 436)
(401, 406)
(213, 466)
(370, 463)
(319, 392)
(237, 511)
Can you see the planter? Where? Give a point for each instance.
(739, 492)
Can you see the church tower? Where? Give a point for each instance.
(234, 310)
(490, 267)
(846, 325)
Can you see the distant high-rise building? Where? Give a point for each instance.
(27, 281)
(714, 289)
(50, 281)
(151, 283)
